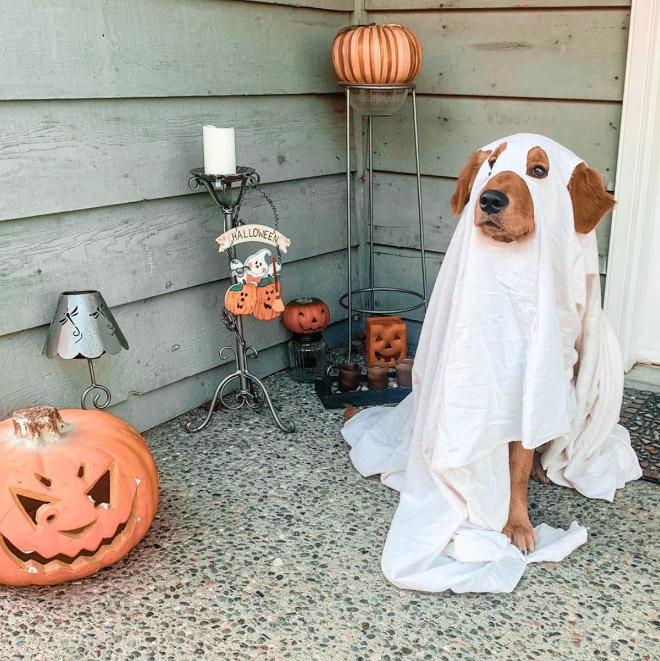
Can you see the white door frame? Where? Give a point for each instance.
(637, 178)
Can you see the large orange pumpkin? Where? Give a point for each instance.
(376, 55)
(78, 490)
(305, 316)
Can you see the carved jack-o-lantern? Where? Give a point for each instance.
(241, 298)
(386, 339)
(78, 490)
(269, 303)
(306, 316)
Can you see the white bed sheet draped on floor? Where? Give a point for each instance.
(514, 346)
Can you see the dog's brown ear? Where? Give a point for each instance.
(465, 180)
(590, 198)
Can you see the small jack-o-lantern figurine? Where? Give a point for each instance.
(306, 316)
(78, 490)
(241, 299)
(269, 300)
(386, 339)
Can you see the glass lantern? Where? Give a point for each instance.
(308, 357)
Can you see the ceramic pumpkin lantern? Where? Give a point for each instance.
(386, 339)
(305, 316)
(376, 55)
(269, 304)
(241, 298)
(78, 490)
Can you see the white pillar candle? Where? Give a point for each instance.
(219, 150)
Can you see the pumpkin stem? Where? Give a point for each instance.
(37, 423)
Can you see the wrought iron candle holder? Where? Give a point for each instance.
(83, 328)
(227, 192)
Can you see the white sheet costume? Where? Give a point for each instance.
(514, 346)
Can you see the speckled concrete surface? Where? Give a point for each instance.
(268, 545)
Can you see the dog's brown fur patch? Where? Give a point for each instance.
(495, 155)
(466, 179)
(350, 411)
(590, 198)
(516, 221)
(537, 156)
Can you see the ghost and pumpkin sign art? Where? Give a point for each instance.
(78, 490)
(257, 289)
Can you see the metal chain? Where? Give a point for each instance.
(273, 209)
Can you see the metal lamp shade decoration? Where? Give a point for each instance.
(78, 490)
(83, 328)
(386, 339)
(376, 55)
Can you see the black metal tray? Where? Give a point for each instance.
(336, 400)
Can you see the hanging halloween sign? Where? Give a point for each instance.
(260, 233)
(78, 490)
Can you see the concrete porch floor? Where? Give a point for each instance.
(268, 546)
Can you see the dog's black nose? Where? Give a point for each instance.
(492, 201)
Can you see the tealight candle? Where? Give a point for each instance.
(349, 376)
(219, 150)
(377, 373)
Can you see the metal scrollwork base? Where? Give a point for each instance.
(96, 400)
(251, 391)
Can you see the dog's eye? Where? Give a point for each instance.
(538, 172)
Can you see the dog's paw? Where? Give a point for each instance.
(521, 535)
(538, 473)
(349, 411)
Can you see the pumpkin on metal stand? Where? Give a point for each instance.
(306, 318)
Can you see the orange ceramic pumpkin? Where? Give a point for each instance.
(305, 316)
(386, 339)
(376, 55)
(241, 299)
(268, 301)
(78, 490)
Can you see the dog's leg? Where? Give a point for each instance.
(518, 528)
(538, 472)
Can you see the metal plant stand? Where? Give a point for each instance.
(227, 192)
(378, 101)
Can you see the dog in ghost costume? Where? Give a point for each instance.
(515, 355)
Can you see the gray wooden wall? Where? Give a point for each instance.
(101, 109)
(492, 68)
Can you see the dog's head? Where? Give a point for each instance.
(504, 210)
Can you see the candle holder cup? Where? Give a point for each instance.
(349, 376)
(377, 373)
(404, 372)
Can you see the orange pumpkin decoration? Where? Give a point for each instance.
(376, 55)
(305, 316)
(268, 295)
(386, 339)
(241, 298)
(78, 490)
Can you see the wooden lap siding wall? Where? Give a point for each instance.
(490, 69)
(101, 111)
(101, 108)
